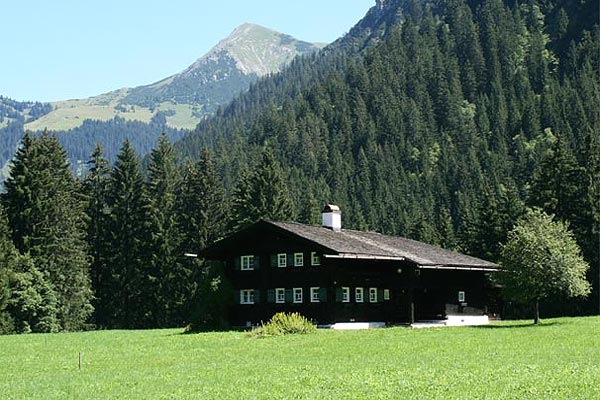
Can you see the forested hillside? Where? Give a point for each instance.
(460, 115)
(441, 121)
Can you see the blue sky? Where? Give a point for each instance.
(63, 49)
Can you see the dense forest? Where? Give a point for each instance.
(442, 121)
(80, 142)
(436, 120)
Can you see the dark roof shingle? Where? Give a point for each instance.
(373, 245)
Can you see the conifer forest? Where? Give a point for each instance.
(437, 120)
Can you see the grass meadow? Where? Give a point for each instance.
(508, 360)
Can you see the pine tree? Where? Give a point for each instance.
(46, 214)
(123, 299)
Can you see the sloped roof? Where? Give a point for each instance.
(358, 244)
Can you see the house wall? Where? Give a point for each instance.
(433, 293)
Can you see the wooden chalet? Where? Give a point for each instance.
(333, 275)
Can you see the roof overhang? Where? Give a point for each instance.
(459, 267)
(363, 257)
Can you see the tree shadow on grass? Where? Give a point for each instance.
(520, 324)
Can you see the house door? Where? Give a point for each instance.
(429, 304)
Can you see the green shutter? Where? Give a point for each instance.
(289, 295)
(256, 296)
(236, 297)
(290, 260)
(271, 296)
(273, 260)
(338, 295)
(238, 263)
(256, 262)
(323, 295)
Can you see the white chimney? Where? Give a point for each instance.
(332, 217)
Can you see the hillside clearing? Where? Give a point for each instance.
(559, 359)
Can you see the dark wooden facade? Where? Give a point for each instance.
(394, 289)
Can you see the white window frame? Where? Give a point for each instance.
(372, 295)
(345, 294)
(298, 259)
(247, 296)
(247, 263)
(297, 299)
(359, 295)
(461, 296)
(279, 299)
(314, 294)
(315, 259)
(281, 260)
(386, 294)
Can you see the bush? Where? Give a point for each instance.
(284, 324)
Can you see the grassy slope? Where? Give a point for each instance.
(70, 114)
(560, 359)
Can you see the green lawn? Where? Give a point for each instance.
(512, 360)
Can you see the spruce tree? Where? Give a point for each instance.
(123, 299)
(95, 186)
(162, 185)
(200, 286)
(46, 214)
(202, 205)
(27, 300)
(262, 194)
(7, 256)
(558, 185)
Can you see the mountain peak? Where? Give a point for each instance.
(256, 50)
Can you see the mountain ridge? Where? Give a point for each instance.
(229, 67)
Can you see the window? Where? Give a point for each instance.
(247, 263)
(461, 297)
(315, 259)
(345, 295)
(247, 296)
(297, 295)
(281, 260)
(280, 295)
(359, 294)
(298, 259)
(386, 294)
(373, 295)
(314, 295)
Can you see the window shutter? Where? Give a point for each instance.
(256, 296)
(236, 296)
(270, 296)
(289, 295)
(238, 263)
(256, 262)
(338, 295)
(379, 295)
(273, 260)
(323, 295)
(290, 260)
